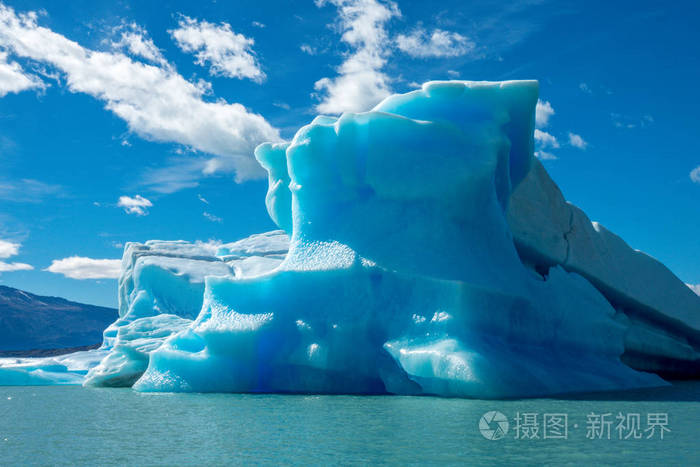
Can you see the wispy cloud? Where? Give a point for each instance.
(134, 39)
(212, 217)
(202, 199)
(438, 43)
(626, 121)
(577, 141)
(79, 267)
(27, 190)
(307, 49)
(695, 174)
(137, 205)
(177, 173)
(7, 250)
(545, 156)
(155, 101)
(585, 88)
(360, 83)
(228, 53)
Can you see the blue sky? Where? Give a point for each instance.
(128, 121)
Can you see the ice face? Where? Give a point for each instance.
(402, 275)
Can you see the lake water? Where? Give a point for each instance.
(71, 425)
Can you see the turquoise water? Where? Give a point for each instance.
(75, 426)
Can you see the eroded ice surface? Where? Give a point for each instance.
(429, 254)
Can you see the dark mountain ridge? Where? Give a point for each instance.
(29, 321)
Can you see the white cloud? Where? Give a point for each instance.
(212, 217)
(11, 267)
(8, 249)
(258, 24)
(137, 205)
(543, 111)
(307, 49)
(545, 156)
(135, 40)
(228, 53)
(79, 267)
(695, 174)
(422, 44)
(14, 79)
(577, 141)
(694, 287)
(156, 102)
(202, 199)
(545, 140)
(361, 84)
(585, 88)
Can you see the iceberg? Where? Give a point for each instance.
(423, 250)
(417, 265)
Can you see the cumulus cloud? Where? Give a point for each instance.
(577, 141)
(439, 43)
(79, 267)
(8, 249)
(155, 101)
(695, 174)
(228, 53)
(137, 205)
(543, 112)
(545, 140)
(360, 83)
(694, 287)
(14, 79)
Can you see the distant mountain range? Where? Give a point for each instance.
(29, 322)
